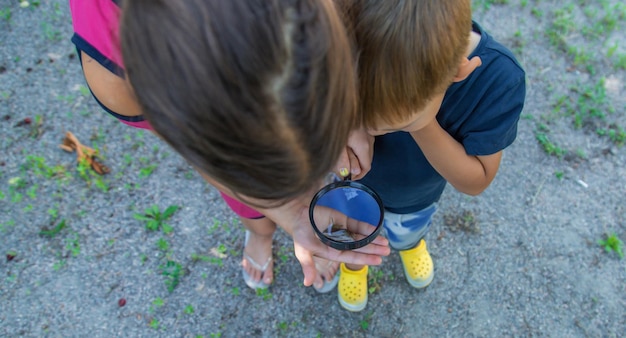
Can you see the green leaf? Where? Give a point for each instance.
(170, 211)
(152, 225)
(141, 217)
(167, 229)
(54, 231)
(153, 211)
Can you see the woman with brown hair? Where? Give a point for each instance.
(259, 96)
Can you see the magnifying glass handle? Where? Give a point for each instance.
(332, 177)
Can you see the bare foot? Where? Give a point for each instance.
(257, 260)
(326, 271)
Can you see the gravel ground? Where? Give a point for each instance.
(522, 259)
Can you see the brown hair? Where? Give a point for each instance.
(409, 50)
(257, 94)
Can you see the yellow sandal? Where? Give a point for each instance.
(352, 288)
(418, 265)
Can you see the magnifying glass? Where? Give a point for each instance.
(346, 215)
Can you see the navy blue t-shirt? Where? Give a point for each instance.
(480, 112)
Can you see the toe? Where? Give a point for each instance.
(254, 274)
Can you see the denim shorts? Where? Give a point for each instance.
(404, 231)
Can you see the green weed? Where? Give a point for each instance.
(72, 244)
(536, 12)
(615, 133)
(32, 192)
(374, 279)
(54, 213)
(486, 4)
(86, 172)
(5, 226)
(172, 271)
(59, 265)
(548, 146)
(218, 254)
(563, 24)
(51, 32)
(264, 293)
(155, 219)
(620, 62)
(158, 302)
(162, 244)
(84, 91)
(365, 322)
(189, 310)
(54, 231)
(612, 243)
(5, 13)
(283, 327)
(147, 171)
(154, 324)
(16, 187)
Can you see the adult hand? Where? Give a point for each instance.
(357, 159)
(293, 217)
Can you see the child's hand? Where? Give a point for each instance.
(356, 161)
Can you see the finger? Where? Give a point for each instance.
(358, 258)
(358, 227)
(381, 240)
(325, 216)
(353, 225)
(355, 166)
(374, 249)
(368, 255)
(305, 258)
(343, 164)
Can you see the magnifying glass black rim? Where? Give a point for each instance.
(347, 245)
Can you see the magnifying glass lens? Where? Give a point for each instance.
(346, 215)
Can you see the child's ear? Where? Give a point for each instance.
(466, 68)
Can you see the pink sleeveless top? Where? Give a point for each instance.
(96, 33)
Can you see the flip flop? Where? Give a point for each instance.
(246, 277)
(328, 285)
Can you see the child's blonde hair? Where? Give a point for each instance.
(409, 51)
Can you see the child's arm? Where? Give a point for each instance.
(467, 173)
(358, 155)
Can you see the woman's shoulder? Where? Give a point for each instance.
(95, 24)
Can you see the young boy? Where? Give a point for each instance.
(443, 100)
